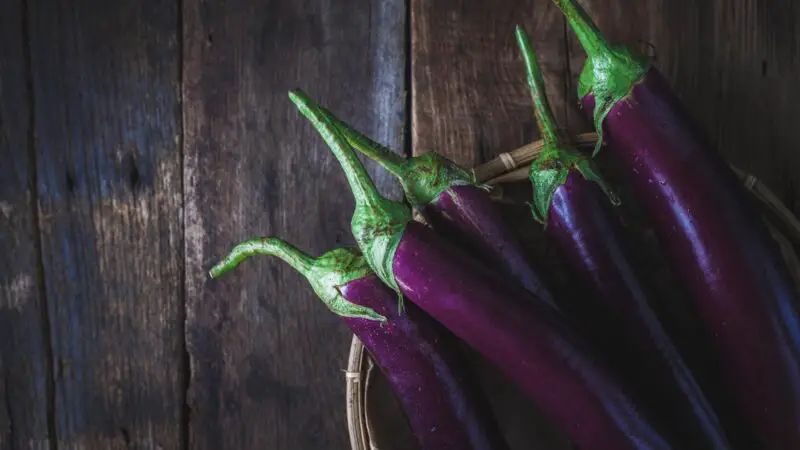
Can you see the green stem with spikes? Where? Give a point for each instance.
(423, 177)
(552, 166)
(326, 274)
(378, 223)
(610, 72)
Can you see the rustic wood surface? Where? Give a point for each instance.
(106, 118)
(25, 380)
(140, 140)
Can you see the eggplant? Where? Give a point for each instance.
(572, 202)
(715, 241)
(419, 359)
(523, 337)
(456, 205)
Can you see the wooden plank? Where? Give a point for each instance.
(470, 103)
(24, 370)
(107, 117)
(754, 73)
(267, 356)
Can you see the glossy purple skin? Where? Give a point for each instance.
(467, 213)
(615, 312)
(526, 340)
(444, 408)
(719, 249)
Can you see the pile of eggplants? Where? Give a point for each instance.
(604, 369)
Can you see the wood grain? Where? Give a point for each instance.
(24, 363)
(267, 357)
(107, 115)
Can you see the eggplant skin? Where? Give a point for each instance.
(615, 311)
(467, 214)
(445, 409)
(719, 249)
(529, 342)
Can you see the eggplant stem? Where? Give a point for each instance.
(381, 154)
(268, 246)
(544, 115)
(378, 223)
(585, 29)
(361, 184)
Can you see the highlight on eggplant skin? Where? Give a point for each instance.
(615, 310)
(531, 343)
(714, 240)
(445, 409)
(457, 207)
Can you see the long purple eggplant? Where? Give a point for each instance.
(525, 338)
(455, 205)
(416, 355)
(572, 202)
(714, 239)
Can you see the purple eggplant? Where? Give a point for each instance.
(572, 202)
(525, 338)
(456, 205)
(713, 237)
(416, 355)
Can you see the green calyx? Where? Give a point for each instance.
(548, 172)
(550, 169)
(610, 78)
(426, 176)
(378, 223)
(423, 177)
(326, 274)
(610, 72)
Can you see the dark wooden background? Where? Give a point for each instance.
(141, 139)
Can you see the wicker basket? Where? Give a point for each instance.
(509, 167)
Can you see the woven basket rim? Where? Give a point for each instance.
(510, 167)
(355, 377)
